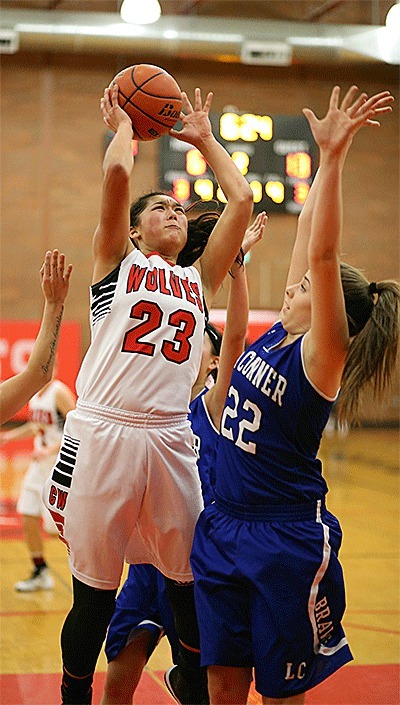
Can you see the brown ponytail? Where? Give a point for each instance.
(373, 317)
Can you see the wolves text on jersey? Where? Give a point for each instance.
(262, 376)
(155, 280)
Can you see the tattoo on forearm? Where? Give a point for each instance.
(53, 344)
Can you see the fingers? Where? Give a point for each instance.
(349, 98)
(334, 99)
(198, 106)
(105, 101)
(207, 104)
(379, 99)
(197, 99)
(310, 116)
(260, 221)
(376, 105)
(46, 265)
(54, 263)
(186, 103)
(176, 133)
(114, 95)
(61, 261)
(68, 274)
(356, 106)
(53, 267)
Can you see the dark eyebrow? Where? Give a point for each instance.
(307, 279)
(175, 204)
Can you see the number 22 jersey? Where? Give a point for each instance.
(271, 428)
(147, 326)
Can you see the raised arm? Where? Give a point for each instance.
(327, 342)
(16, 392)
(111, 240)
(299, 259)
(227, 236)
(237, 318)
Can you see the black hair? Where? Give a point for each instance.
(215, 336)
(359, 301)
(138, 206)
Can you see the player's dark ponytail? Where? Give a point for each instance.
(373, 318)
(199, 231)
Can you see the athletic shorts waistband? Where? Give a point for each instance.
(277, 512)
(130, 418)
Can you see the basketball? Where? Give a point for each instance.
(151, 97)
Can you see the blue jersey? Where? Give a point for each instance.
(271, 428)
(206, 437)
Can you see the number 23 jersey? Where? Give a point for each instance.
(147, 325)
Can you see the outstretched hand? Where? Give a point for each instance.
(254, 232)
(335, 131)
(54, 277)
(113, 115)
(196, 122)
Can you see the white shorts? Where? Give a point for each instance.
(125, 487)
(30, 500)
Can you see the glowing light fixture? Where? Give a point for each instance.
(140, 11)
(393, 18)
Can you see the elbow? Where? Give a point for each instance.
(116, 171)
(47, 376)
(248, 195)
(244, 200)
(321, 256)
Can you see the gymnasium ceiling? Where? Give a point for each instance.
(361, 12)
(351, 30)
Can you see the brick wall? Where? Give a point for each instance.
(51, 154)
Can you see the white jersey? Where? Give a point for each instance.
(43, 410)
(147, 324)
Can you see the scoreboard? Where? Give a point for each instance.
(276, 154)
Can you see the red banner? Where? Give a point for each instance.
(16, 342)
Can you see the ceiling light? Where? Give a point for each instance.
(393, 18)
(140, 11)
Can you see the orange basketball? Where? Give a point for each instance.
(151, 97)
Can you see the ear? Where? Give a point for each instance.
(134, 236)
(214, 362)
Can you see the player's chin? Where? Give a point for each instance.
(176, 236)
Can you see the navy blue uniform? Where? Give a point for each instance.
(143, 602)
(268, 584)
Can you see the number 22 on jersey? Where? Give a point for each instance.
(245, 426)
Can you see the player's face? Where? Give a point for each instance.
(209, 361)
(162, 227)
(296, 310)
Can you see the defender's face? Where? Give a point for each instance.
(209, 361)
(296, 310)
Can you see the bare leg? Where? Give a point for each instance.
(294, 700)
(123, 672)
(33, 535)
(228, 685)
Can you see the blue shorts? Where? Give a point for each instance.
(141, 604)
(270, 595)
